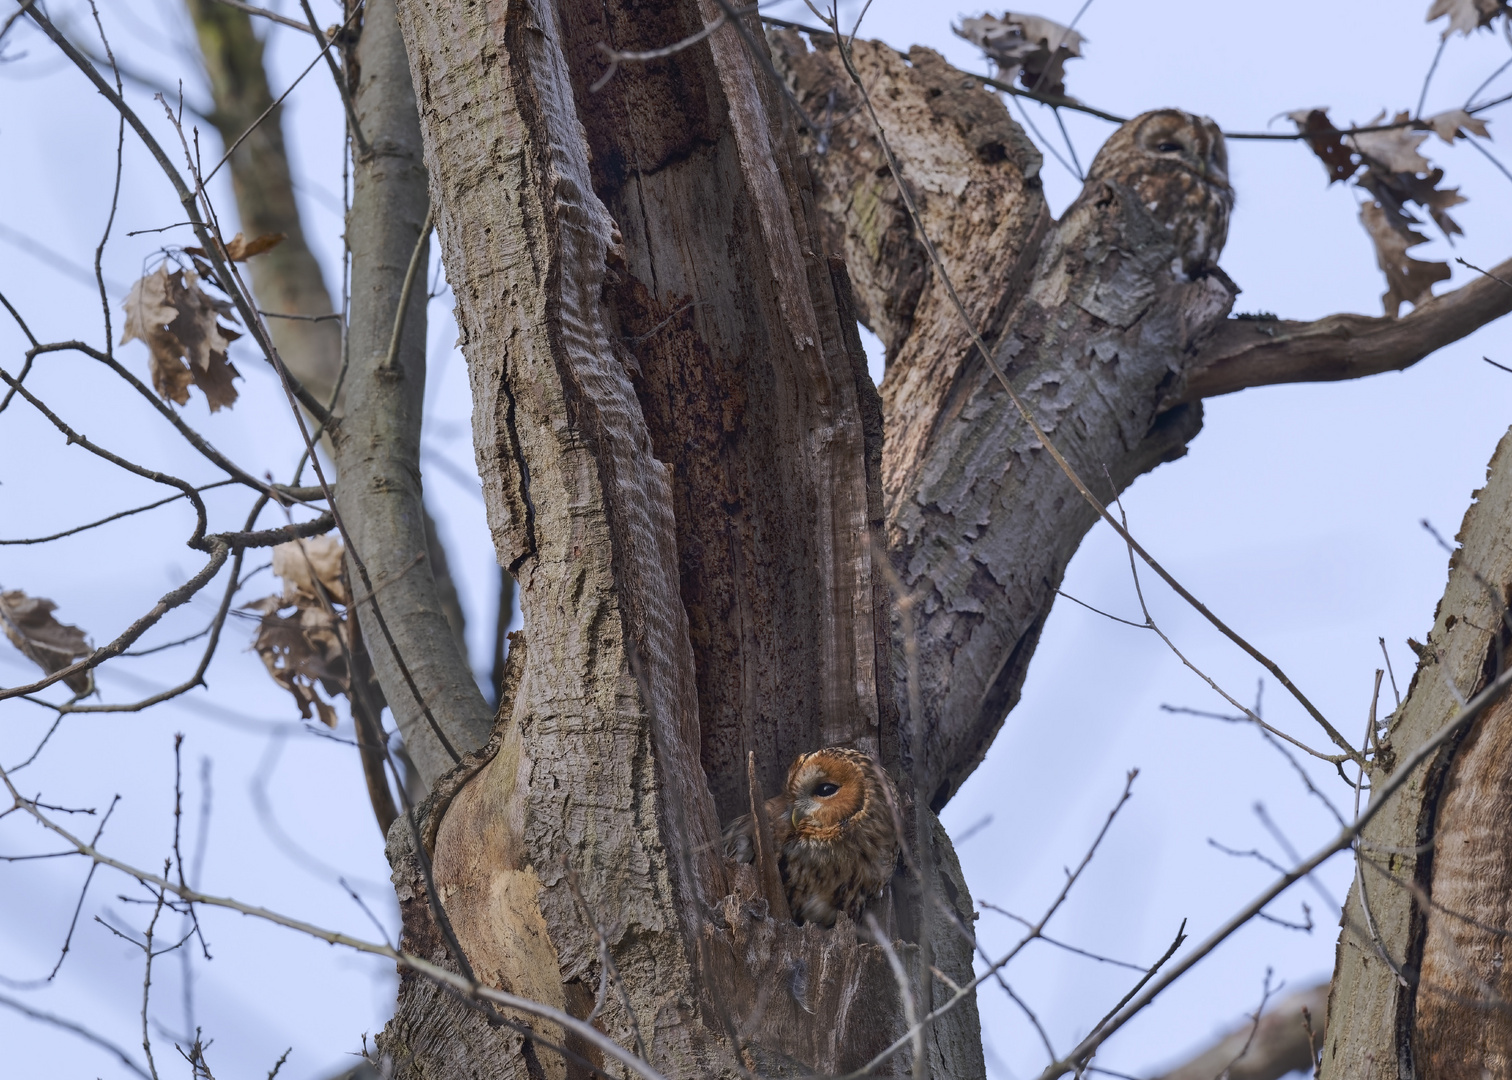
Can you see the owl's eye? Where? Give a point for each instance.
(1168, 147)
(826, 789)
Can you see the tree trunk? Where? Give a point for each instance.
(1420, 988)
(288, 281)
(683, 465)
(436, 703)
(680, 448)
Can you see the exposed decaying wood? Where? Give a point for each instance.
(377, 443)
(679, 449)
(1464, 984)
(1393, 986)
(1093, 331)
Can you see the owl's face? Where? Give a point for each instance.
(1176, 166)
(826, 789)
(1191, 142)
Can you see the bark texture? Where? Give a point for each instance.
(377, 443)
(680, 451)
(1419, 987)
(1091, 325)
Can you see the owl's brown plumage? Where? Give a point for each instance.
(833, 830)
(1177, 164)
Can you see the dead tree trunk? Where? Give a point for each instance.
(680, 450)
(684, 467)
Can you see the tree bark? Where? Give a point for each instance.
(377, 441)
(1092, 328)
(684, 467)
(1419, 987)
(680, 452)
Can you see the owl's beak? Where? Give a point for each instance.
(794, 816)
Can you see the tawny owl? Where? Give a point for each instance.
(1177, 165)
(833, 831)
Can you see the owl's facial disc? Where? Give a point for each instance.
(826, 790)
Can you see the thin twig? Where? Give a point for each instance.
(450, 979)
(261, 12)
(354, 127)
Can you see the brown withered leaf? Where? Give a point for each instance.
(178, 322)
(1408, 280)
(303, 652)
(1030, 48)
(1325, 141)
(1454, 123)
(241, 249)
(300, 563)
(1464, 15)
(1395, 150)
(28, 622)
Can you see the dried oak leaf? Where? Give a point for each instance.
(1454, 123)
(305, 650)
(178, 322)
(241, 249)
(303, 653)
(1392, 175)
(1408, 280)
(300, 563)
(28, 622)
(1396, 149)
(1030, 48)
(1464, 15)
(1325, 141)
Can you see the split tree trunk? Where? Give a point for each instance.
(680, 448)
(682, 464)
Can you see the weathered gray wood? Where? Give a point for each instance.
(680, 453)
(1088, 319)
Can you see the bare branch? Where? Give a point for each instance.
(468, 987)
(1267, 352)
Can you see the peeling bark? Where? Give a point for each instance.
(680, 452)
